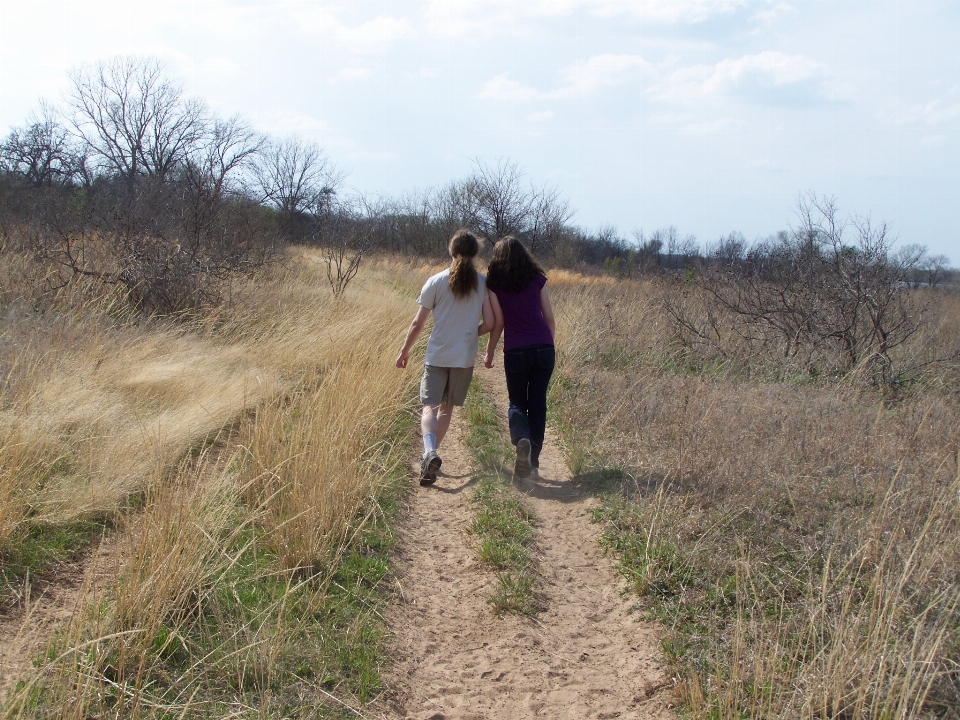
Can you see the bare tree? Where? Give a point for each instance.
(295, 177)
(503, 201)
(729, 249)
(216, 167)
(551, 214)
(498, 200)
(42, 152)
(934, 269)
(134, 119)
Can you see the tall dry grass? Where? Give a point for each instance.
(252, 444)
(800, 537)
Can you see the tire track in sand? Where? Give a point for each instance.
(584, 656)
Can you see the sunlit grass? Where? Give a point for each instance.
(799, 537)
(249, 463)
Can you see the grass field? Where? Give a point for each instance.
(799, 537)
(246, 467)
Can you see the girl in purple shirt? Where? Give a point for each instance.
(522, 313)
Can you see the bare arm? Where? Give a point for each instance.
(495, 332)
(547, 309)
(488, 319)
(416, 327)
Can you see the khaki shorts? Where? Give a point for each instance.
(444, 385)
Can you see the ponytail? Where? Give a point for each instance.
(463, 247)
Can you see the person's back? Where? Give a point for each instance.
(453, 341)
(457, 297)
(518, 294)
(523, 321)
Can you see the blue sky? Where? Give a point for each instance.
(709, 115)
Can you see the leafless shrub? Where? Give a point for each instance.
(800, 538)
(829, 304)
(343, 231)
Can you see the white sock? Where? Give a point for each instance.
(429, 442)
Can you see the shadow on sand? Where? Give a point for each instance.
(452, 490)
(595, 483)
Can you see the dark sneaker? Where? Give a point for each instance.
(523, 466)
(429, 464)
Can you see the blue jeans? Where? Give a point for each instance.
(528, 370)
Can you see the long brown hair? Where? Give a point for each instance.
(512, 267)
(463, 248)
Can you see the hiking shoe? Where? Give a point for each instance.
(523, 466)
(429, 464)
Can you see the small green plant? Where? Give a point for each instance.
(514, 594)
(502, 525)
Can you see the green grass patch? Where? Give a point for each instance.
(45, 546)
(502, 524)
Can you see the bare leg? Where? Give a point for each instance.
(436, 419)
(429, 422)
(444, 416)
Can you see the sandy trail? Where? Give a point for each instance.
(586, 655)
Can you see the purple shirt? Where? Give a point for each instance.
(523, 322)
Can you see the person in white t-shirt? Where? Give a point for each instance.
(457, 297)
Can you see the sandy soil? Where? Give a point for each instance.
(586, 655)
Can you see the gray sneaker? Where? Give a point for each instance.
(523, 466)
(429, 464)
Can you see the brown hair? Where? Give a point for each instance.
(463, 248)
(512, 267)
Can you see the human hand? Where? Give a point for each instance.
(402, 359)
(488, 361)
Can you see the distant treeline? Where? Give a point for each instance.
(132, 183)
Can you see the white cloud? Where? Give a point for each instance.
(482, 17)
(934, 142)
(599, 71)
(772, 14)
(768, 76)
(708, 127)
(502, 89)
(668, 12)
(671, 119)
(374, 35)
(767, 68)
(349, 74)
(936, 112)
(541, 116)
(283, 18)
(580, 80)
(283, 122)
(469, 17)
(768, 165)
(374, 156)
(424, 73)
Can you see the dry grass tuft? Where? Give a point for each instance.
(239, 454)
(800, 537)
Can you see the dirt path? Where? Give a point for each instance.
(45, 605)
(585, 656)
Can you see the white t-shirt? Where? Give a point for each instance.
(453, 342)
